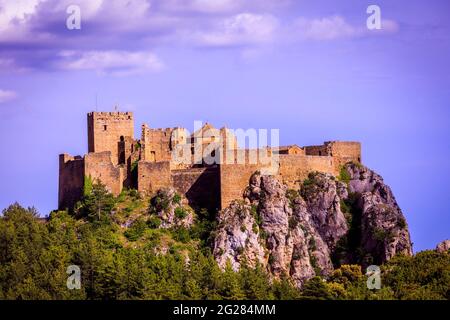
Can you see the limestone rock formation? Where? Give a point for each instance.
(306, 232)
(384, 231)
(172, 209)
(237, 238)
(443, 247)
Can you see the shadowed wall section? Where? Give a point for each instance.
(71, 180)
(200, 185)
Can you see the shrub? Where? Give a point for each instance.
(312, 244)
(134, 165)
(181, 234)
(134, 193)
(136, 230)
(380, 234)
(176, 198)
(180, 213)
(344, 175)
(344, 207)
(160, 202)
(291, 195)
(154, 222)
(401, 223)
(263, 234)
(88, 185)
(293, 223)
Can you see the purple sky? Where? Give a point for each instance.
(310, 68)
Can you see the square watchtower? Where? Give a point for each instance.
(107, 130)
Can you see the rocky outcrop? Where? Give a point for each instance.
(237, 238)
(300, 233)
(443, 247)
(323, 195)
(384, 231)
(172, 209)
(273, 230)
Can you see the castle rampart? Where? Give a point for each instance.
(120, 161)
(71, 180)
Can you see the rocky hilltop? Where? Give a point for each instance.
(328, 221)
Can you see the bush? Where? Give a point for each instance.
(176, 198)
(134, 193)
(88, 185)
(154, 222)
(160, 202)
(180, 213)
(401, 223)
(293, 223)
(344, 207)
(181, 234)
(136, 230)
(291, 195)
(381, 234)
(344, 175)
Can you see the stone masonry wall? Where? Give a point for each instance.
(321, 150)
(156, 144)
(295, 168)
(71, 180)
(201, 186)
(99, 166)
(344, 152)
(153, 176)
(235, 173)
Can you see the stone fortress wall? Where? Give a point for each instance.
(120, 161)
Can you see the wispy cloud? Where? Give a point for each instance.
(111, 62)
(7, 95)
(336, 27)
(241, 29)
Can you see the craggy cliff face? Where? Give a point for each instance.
(307, 232)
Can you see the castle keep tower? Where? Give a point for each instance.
(108, 130)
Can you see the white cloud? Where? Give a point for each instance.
(7, 95)
(241, 29)
(328, 28)
(16, 12)
(336, 27)
(111, 62)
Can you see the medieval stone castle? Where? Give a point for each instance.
(119, 160)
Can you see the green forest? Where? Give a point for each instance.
(143, 261)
